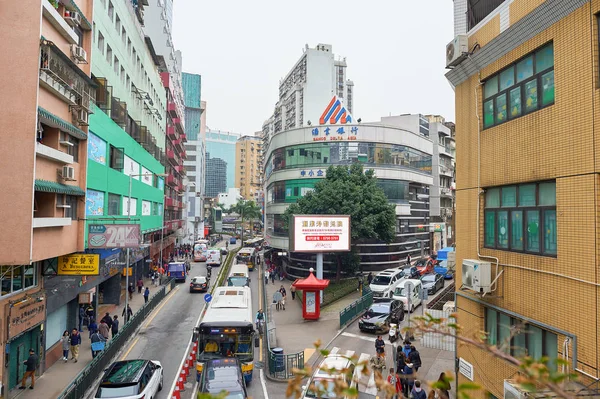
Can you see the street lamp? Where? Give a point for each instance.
(128, 219)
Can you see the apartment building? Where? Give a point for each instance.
(248, 167)
(46, 103)
(222, 144)
(527, 179)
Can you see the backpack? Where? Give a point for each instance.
(393, 380)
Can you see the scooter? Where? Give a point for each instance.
(208, 271)
(394, 333)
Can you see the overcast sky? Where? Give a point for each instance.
(395, 51)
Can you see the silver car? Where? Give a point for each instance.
(131, 379)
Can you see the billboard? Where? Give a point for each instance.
(113, 236)
(320, 233)
(79, 265)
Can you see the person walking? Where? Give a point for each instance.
(98, 344)
(369, 278)
(146, 294)
(31, 365)
(90, 312)
(409, 379)
(283, 296)
(415, 357)
(360, 282)
(272, 275)
(406, 349)
(408, 260)
(140, 285)
(75, 343)
(81, 317)
(107, 319)
(103, 329)
(418, 392)
(66, 343)
(93, 327)
(444, 386)
(131, 290)
(127, 313)
(380, 346)
(293, 291)
(153, 277)
(266, 276)
(394, 380)
(114, 328)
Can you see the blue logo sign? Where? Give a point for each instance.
(341, 130)
(354, 130)
(207, 298)
(319, 173)
(327, 131)
(315, 131)
(311, 173)
(302, 173)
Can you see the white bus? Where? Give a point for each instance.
(227, 329)
(200, 248)
(238, 276)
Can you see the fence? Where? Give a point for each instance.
(86, 378)
(438, 341)
(356, 308)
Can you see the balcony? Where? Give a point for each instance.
(51, 222)
(445, 192)
(172, 158)
(172, 109)
(172, 181)
(169, 202)
(447, 150)
(118, 112)
(446, 171)
(59, 23)
(52, 154)
(171, 132)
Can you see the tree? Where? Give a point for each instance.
(247, 210)
(350, 191)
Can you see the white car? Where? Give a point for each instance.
(131, 379)
(322, 383)
(384, 282)
(401, 294)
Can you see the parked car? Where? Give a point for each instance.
(199, 284)
(401, 293)
(412, 273)
(223, 375)
(380, 314)
(132, 379)
(432, 282)
(426, 268)
(322, 383)
(384, 282)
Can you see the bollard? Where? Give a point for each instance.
(176, 394)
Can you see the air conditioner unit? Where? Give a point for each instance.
(511, 391)
(73, 18)
(457, 50)
(476, 275)
(64, 140)
(78, 53)
(68, 173)
(81, 116)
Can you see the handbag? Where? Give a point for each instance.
(98, 346)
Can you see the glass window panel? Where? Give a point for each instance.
(527, 195)
(548, 88)
(544, 58)
(507, 78)
(525, 69)
(534, 342)
(29, 276)
(490, 87)
(488, 113)
(515, 102)
(533, 231)
(492, 198)
(509, 196)
(550, 244)
(516, 230)
(502, 229)
(501, 112)
(547, 194)
(491, 325)
(519, 344)
(531, 96)
(17, 278)
(504, 332)
(490, 228)
(6, 277)
(551, 348)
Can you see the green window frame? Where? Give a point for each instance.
(522, 218)
(521, 88)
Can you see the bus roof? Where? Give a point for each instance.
(229, 304)
(249, 251)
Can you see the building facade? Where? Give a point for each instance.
(248, 167)
(526, 188)
(216, 176)
(44, 157)
(222, 145)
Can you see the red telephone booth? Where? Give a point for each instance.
(311, 298)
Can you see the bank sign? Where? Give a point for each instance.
(320, 233)
(334, 133)
(114, 236)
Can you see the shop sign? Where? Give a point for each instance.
(114, 235)
(437, 228)
(79, 265)
(329, 134)
(320, 233)
(312, 173)
(26, 314)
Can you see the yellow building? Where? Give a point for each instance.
(248, 166)
(528, 184)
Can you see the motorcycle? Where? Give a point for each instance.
(208, 271)
(394, 333)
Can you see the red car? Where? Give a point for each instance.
(425, 266)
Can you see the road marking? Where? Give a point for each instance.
(308, 352)
(260, 306)
(334, 350)
(130, 348)
(349, 353)
(262, 383)
(371, 387)
(157, 310)
(370, 339)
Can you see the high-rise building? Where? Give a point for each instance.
(215, 177)
(195, 148)
(527, 179)
(221, 144)
(45, 102)
(248, 168)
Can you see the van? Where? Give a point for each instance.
(213, 257)
(400, 293)
(238, 276)
(385, 282)
(178, 271)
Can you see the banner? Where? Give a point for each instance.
(320, 233)
(79, 265)
(114, 236)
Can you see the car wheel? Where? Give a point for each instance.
(160, 385)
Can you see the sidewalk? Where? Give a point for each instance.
(56, 378)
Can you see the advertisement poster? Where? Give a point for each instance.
(146, 208)
(311, 304)
(320, 233)
(79, 265)
(96, 149)
(94, 203)
(132, 210)
(130, 167)
(147, 176)
(161, 183)
(114, 236)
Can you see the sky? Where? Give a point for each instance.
(395, 51)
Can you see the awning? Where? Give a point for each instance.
(54, 187)
(48, 118)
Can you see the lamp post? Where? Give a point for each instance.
(129, 219)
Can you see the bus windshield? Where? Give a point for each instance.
(218, 343)
(237, 281)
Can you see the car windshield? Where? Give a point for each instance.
(399, 291)
(378, 310)
(321, 388)
(382, 280)
(430, 278)
(118, 391)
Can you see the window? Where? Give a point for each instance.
(116, 64)
(114, 205)
(109, 54)
(72, 211)
(101, 42)
(118, 24)
(73, 149)
(18, 278)
(111, 10)
(522, 218)
(521, 88)
(124, 36)
(116, 158)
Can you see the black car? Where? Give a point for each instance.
(411, 273)
(380, 315)
(432, 283)
(223, 374)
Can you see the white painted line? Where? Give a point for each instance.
(362, 380)
(349, 353)
(263, 384)
(370, 339)
(371, 387)
(334, 350)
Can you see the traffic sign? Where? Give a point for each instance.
(207, 298)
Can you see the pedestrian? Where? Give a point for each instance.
(380, 346)
(98, 344)
(153, 277)
(103, 329)
(66, 342)
(293, 291)
(400, 362)
(277, 297)
(115, 325)
(75, 343)
(408, 262)
(266, 276)
(272, 275)
(283, 296)
(415, 357)
(107, 319)
(418, 392)
(140, 285)
(406, 348)
(360, 281)
(146, 294)
(93, 327)
(432, 394)
(127, 313)
(394, 380)
(444, 386)
(409, 379)
(90, 312)
(369, 278)
(81, 317)
(131, 290)
(31, 365)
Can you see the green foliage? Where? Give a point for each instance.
(248, 210)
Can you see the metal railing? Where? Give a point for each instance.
(86, 377)
(356, 308)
